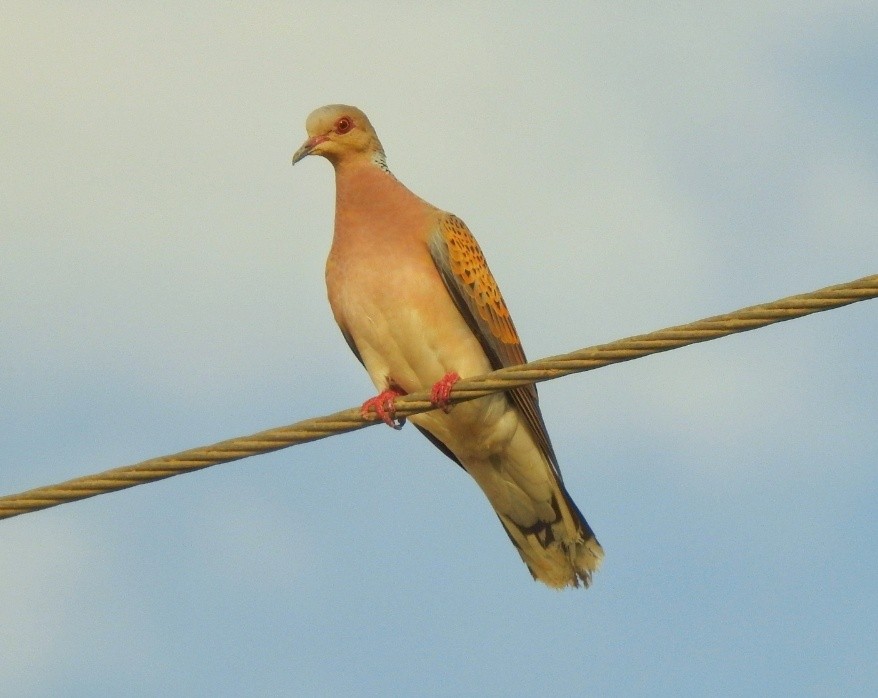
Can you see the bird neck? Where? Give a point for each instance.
(379, 159)
(360, 181)
(369, 198)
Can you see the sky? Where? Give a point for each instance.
(625, 167)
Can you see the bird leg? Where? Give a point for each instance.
(383, 406)
(441, 391)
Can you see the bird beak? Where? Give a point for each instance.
(307, 147)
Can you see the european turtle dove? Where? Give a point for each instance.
(415, 300)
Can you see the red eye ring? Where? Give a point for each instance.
(343, 125)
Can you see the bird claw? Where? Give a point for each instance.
(383, 405)
(441, 391)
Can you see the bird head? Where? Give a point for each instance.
(339, 132)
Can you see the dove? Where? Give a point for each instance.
(416, 302)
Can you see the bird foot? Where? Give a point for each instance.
(441, 391)
(383, 405)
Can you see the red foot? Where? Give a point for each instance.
(383, 406)
(441, 391)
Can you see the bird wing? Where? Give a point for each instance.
(468, 279)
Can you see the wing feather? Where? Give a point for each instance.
(468, 279)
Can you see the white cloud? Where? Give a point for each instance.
(625, 167)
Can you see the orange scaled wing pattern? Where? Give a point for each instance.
(469, 266)
(469, 280)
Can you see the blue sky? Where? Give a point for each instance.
(624, 168)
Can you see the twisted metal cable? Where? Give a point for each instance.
(587, 359)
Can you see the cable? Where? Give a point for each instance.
(467, 389)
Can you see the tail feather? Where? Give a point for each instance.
(522, 482)
(561, 551)
(542, 521)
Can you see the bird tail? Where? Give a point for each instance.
(524, 486)
(560, 549)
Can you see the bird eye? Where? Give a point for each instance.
(343, 125)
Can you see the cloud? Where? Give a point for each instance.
(625, 168)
